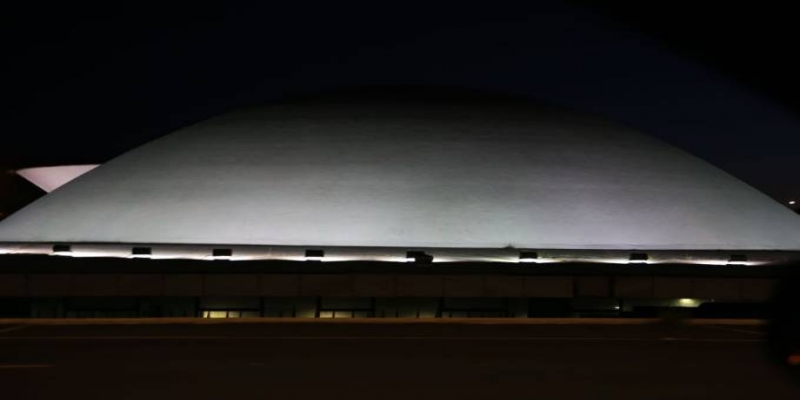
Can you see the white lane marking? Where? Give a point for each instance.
(13, 328)
(485, 338)
(21, 366)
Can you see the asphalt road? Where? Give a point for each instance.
(387, 361)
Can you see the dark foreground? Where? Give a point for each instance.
(387, 361)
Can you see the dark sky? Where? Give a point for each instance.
(81, 84)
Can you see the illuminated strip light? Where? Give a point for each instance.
(62, 250)
(410, 257)
(314, 255)
(399, 259)
(142, 252)
(528, 257)
(708, 262)
(215, 314)
(94, 254)
(738, 259)
(614, 260)
(638, 258)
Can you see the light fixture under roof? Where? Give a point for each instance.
(638, 258)
(528, 257)
(687, 302)
(221, 254)
(141, 252)
(314, 255)
(62, 250)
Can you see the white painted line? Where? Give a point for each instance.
(13, 328)
(483, 338)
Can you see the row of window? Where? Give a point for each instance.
(309, 307)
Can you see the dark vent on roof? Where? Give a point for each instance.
(638, 257)
(61, 248)
(737, 258)
(222, 252)
(141, 251)
(314, 255)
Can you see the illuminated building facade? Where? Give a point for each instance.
(373, 199)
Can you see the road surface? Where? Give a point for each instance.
(387, 361)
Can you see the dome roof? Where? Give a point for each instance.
(412, 172)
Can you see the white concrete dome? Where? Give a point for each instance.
(415, 172)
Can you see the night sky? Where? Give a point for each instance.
(83, 84)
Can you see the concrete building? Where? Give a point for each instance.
(407, 204)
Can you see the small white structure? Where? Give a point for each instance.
(52, 178)
(409, 174)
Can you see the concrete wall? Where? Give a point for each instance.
(383, 285)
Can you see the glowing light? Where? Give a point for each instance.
(709, 262)
(792, 202)
(215, 314)
(638, 258)
(528, 257)
(541, 260)
(737, 259)
(688, 302)
(793, 359)
(334, 259)
(90, 254)
(337, 255)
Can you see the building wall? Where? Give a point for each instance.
(383, 285)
